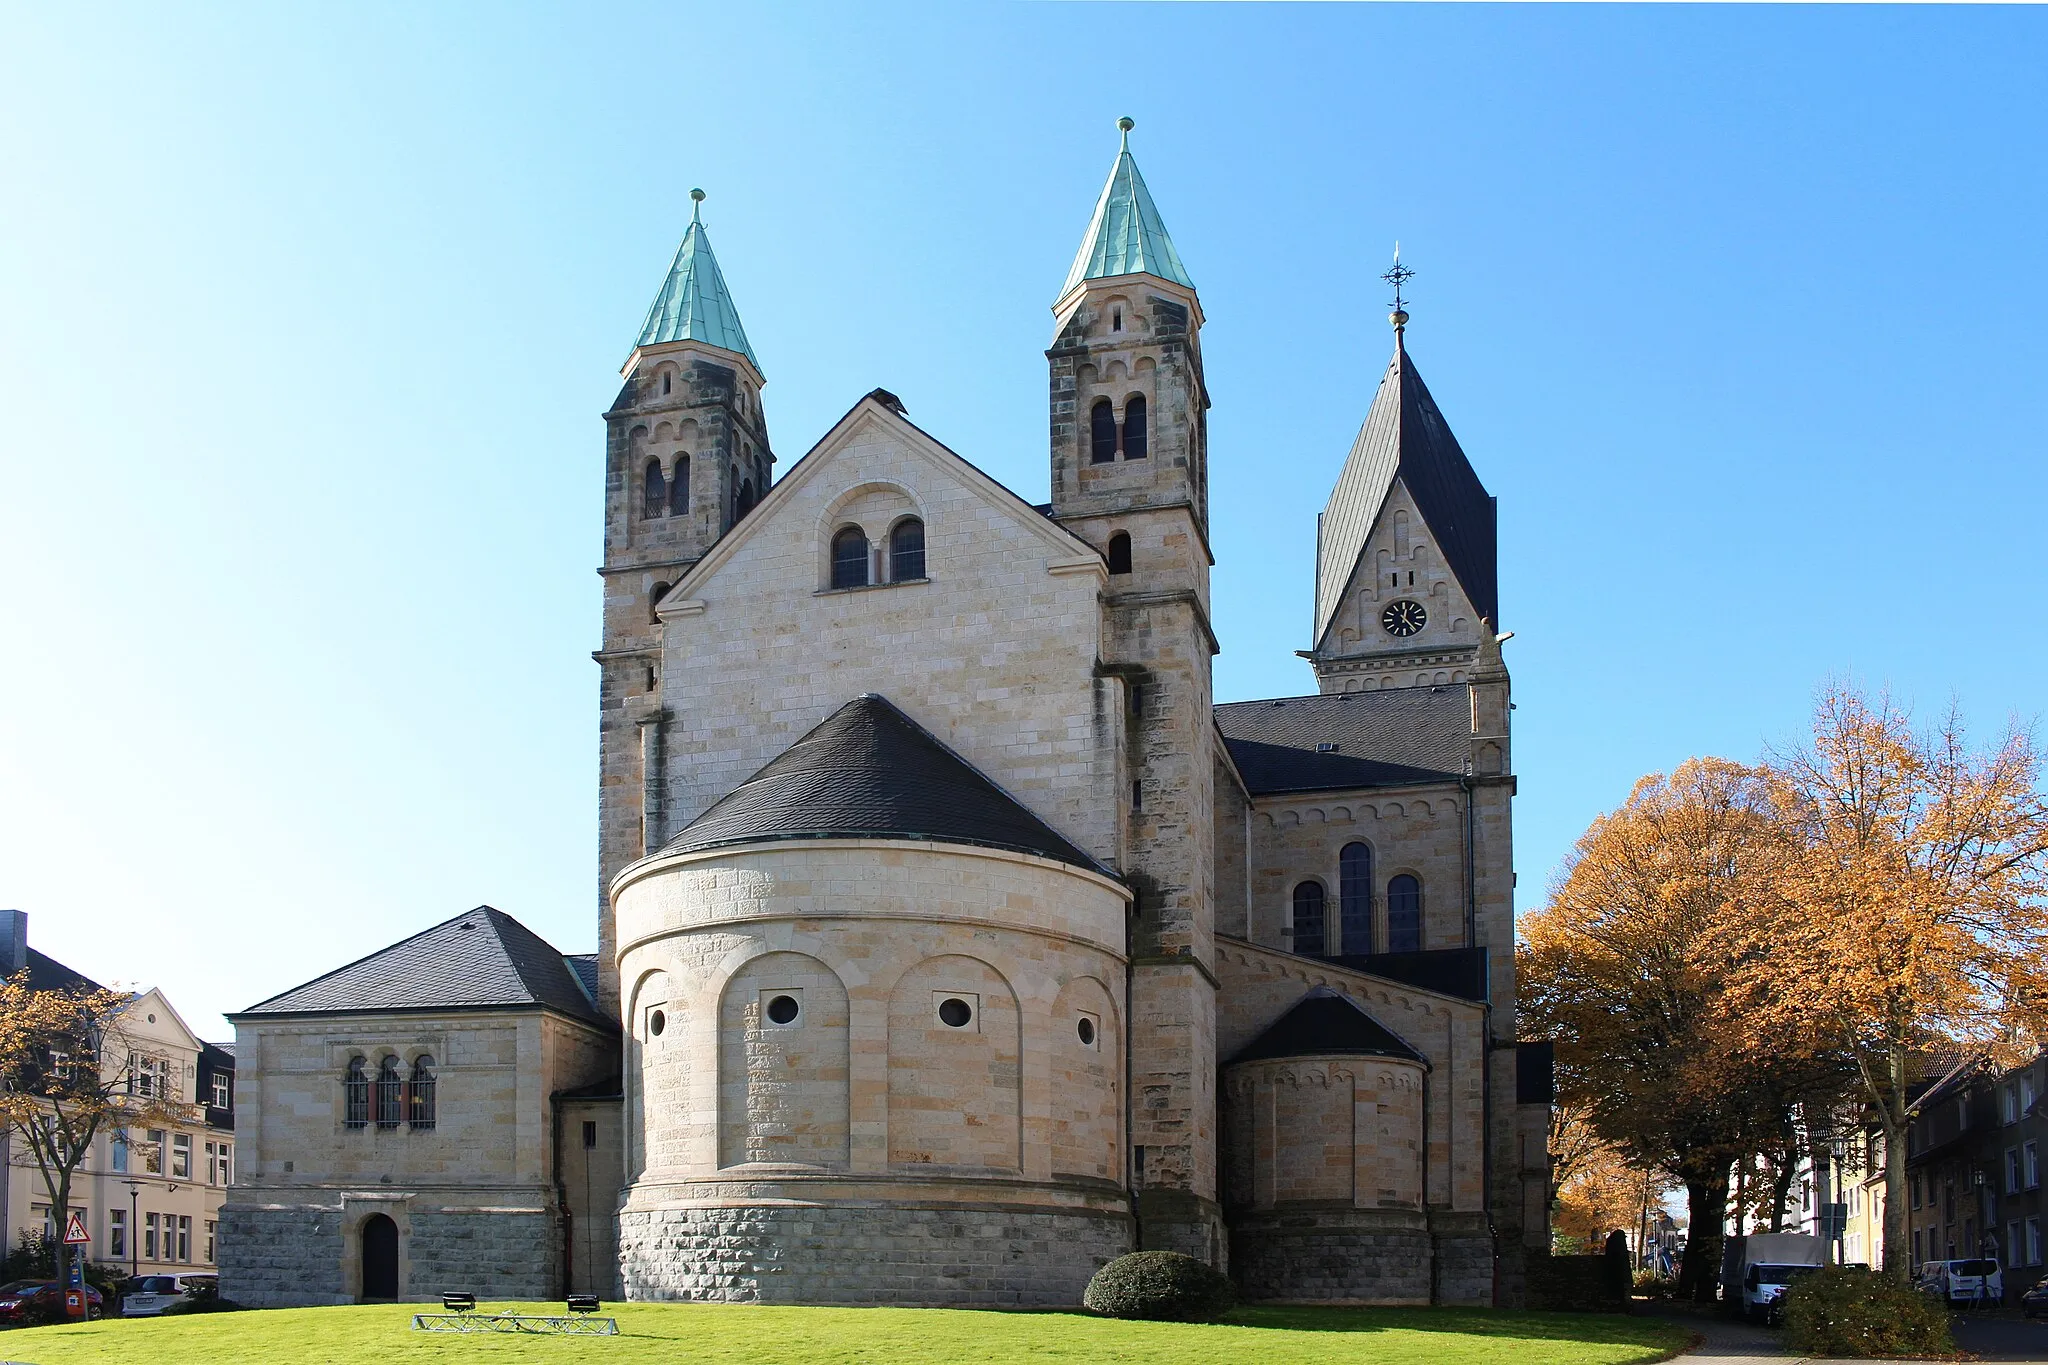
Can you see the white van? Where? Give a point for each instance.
(1960, 1282)
(1764, 1285)
(149, 1295)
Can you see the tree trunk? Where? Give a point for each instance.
(1706, 1203)
(1893, 1116)
(1781, 1186)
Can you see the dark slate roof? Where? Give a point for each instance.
(1324, 1023)
(46, 973)
(1447, 971)
(584, 965)
(1384, 739)
(870, 772)
(481, 959)
(1405, 435)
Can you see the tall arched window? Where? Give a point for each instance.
(419, 1094)
(906, 551)
(656, 499)
(1354, 898)
(746, 503)
(355, 1095)
(1101, 432)
(1308, 919)
(1404, 915)
(1134, 427)
(679, 487)
(654, 597)
(1120, 552)
(390, 1096)
(850, 558)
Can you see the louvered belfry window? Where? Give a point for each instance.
(654, 499)
(355, 1095)
(390, 1094)
(1134, 427)
(1101, 432)
(419, 1093)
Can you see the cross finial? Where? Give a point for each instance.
(1124, 126)
(697, 206)
(1398, 277)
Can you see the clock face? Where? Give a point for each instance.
(1403, 618)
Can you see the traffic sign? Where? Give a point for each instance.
(74, 1230)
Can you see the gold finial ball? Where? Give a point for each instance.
(1399, 317)
(697, 195)
(1125, 124)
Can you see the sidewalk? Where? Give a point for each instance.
(1732, 1342)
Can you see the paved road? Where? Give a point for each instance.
(1730, 1342)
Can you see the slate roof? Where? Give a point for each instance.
(1126, 236)
(1405, 435)
(482, 958)
(1324, 1023)
(46, 973)
(694, 304)
(869, 771)
(1384, 739)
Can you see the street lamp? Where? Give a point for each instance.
(134, 1229)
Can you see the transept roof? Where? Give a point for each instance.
(1405, 436)
(867, 771)
(694, 304)
(479, 959)
(1346, 741)
(1325, 1023)
(1126, 236)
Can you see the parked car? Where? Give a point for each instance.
(1960, 1282)
(2034, 1302)
(149, 1295)
(1764, 1286)
(26, 1300)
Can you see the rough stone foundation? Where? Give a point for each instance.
(924, 1257)
(288, 1257)
(1337, 1255)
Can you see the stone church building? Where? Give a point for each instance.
(951, 938)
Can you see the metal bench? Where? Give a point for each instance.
(459, 1315)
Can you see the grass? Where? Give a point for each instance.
(722, 1334)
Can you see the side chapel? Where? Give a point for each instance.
(951, 938)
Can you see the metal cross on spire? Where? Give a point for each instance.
(1398, 277)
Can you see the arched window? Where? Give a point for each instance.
(1308, 919)
(746, 500)
(656, 500)
(1120, 553)
(1404, 915)
(355, 1096)
(667, 381)
(419, 1095)
(1134, 427)
(390, 1096)
(679, 487)
(850, 558)
(1354, 898)
(654, 600)
(906, 551)
(1101, 432)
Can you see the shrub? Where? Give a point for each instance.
(1650, 1284)
(1159, 1286)
(202, 1298)
(1843, 1312)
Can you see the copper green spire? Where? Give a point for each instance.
(694, 304)
(1126, 236)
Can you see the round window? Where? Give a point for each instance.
(782, 1009)
(1086, 1028)
(656, 1022)
(955, 1013)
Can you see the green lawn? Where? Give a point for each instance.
(722, 1334)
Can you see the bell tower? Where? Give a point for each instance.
(686, 456)
(1129, 476)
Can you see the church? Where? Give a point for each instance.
(951, 938)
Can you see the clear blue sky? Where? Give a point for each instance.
(306, 320)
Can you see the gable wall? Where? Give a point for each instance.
(1400, 544)
(995, 654)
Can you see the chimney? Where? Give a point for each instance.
(13, 941)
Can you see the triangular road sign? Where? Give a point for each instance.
(74, 1230)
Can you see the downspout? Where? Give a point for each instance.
(1471, 892)
(562, 1196)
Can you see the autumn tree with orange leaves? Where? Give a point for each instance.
(1906, 912)
(1625, 970)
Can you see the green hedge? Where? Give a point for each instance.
(1843, 1312)
(1159, 1286)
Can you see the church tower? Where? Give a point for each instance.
(1129, 453)
(1407, 586)
(686, 456)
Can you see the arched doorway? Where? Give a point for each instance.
(380, 1257)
